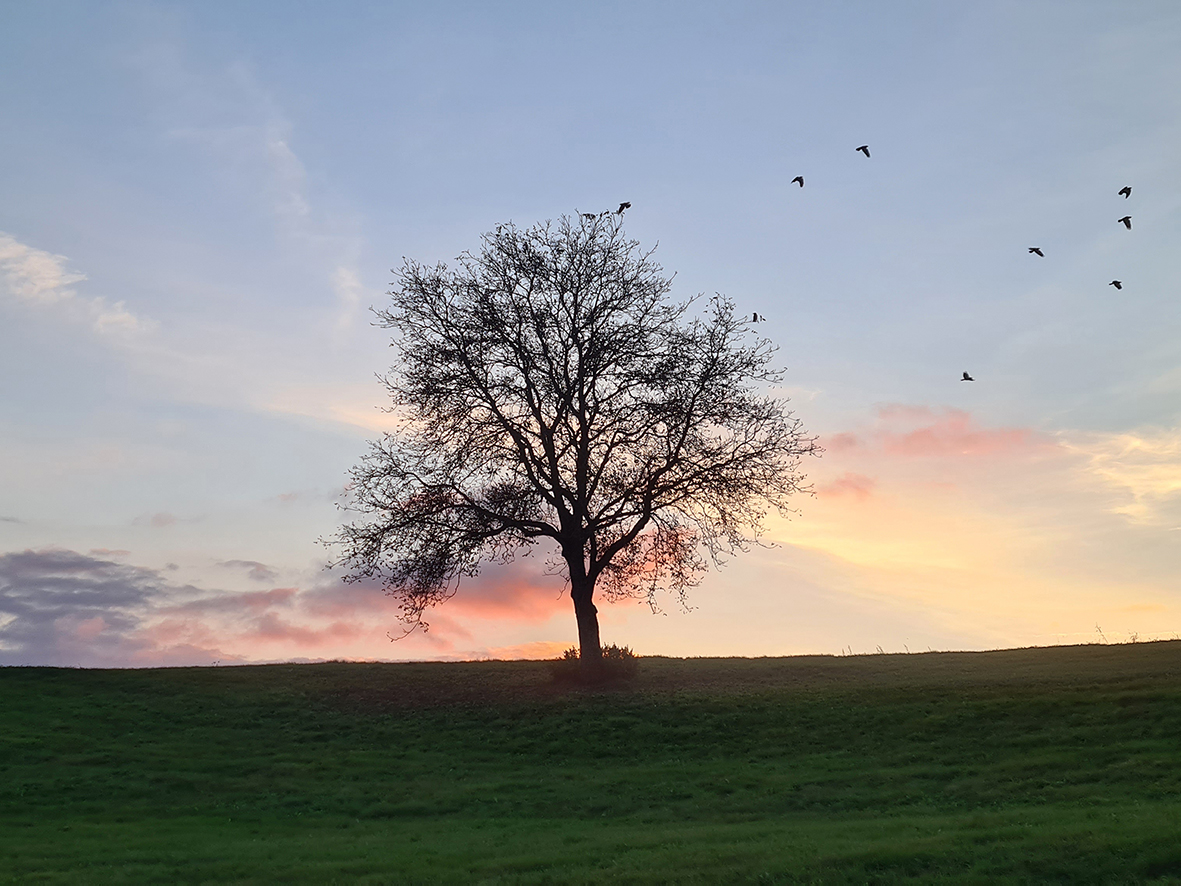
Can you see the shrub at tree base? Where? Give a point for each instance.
(619, 663)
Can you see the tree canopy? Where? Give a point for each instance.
(548, 390)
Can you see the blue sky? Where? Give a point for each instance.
(200, 202)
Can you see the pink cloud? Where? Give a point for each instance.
(518, 591)
(270, 626)
(90, 628)
(332, 616)
(840, 442)
(252, 635)
(858, 486)
(954, 434)
(921, 432)
(514, 595)
(250, 603)
(162, 520)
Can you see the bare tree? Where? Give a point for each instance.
(548, 390)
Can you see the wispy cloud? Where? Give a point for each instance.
(161, 520)
(43, 279)
(34, 275)
(246, 137)
(354, 405)
(233, 116)
(349, 291)
(1144, 466)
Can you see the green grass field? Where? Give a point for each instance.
(1027, 766)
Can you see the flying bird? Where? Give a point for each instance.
(967, 378)
(758, 319)
(1126, 221)
(622, 206)
(798, 179)
(864, 149)
(1117, 284)
(1125, 192)
(1037, 250)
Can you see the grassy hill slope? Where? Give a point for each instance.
(1042, 765)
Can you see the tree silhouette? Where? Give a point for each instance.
(547, 390)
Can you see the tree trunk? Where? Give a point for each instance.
(582, 590)
(587, 614)
(590, 653)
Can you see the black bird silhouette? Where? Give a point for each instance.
(798, 178)
(622, 206)
(1125, 192)
(757, 319)
(589, 216)
(1117, 284)
(864, 149)
(1126, 221)
(1037, 250)
(967, 378)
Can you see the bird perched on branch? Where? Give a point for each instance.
(589, 216)
(1036, 250)
(798, 180)
(1126, 221)
(622, 206)
(864, 149)
(1125, 192)
(967, 378)
(1117, 284)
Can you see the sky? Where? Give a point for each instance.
(200, 203)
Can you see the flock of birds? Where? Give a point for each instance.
(1126, 221)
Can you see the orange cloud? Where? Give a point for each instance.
(540, 649)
